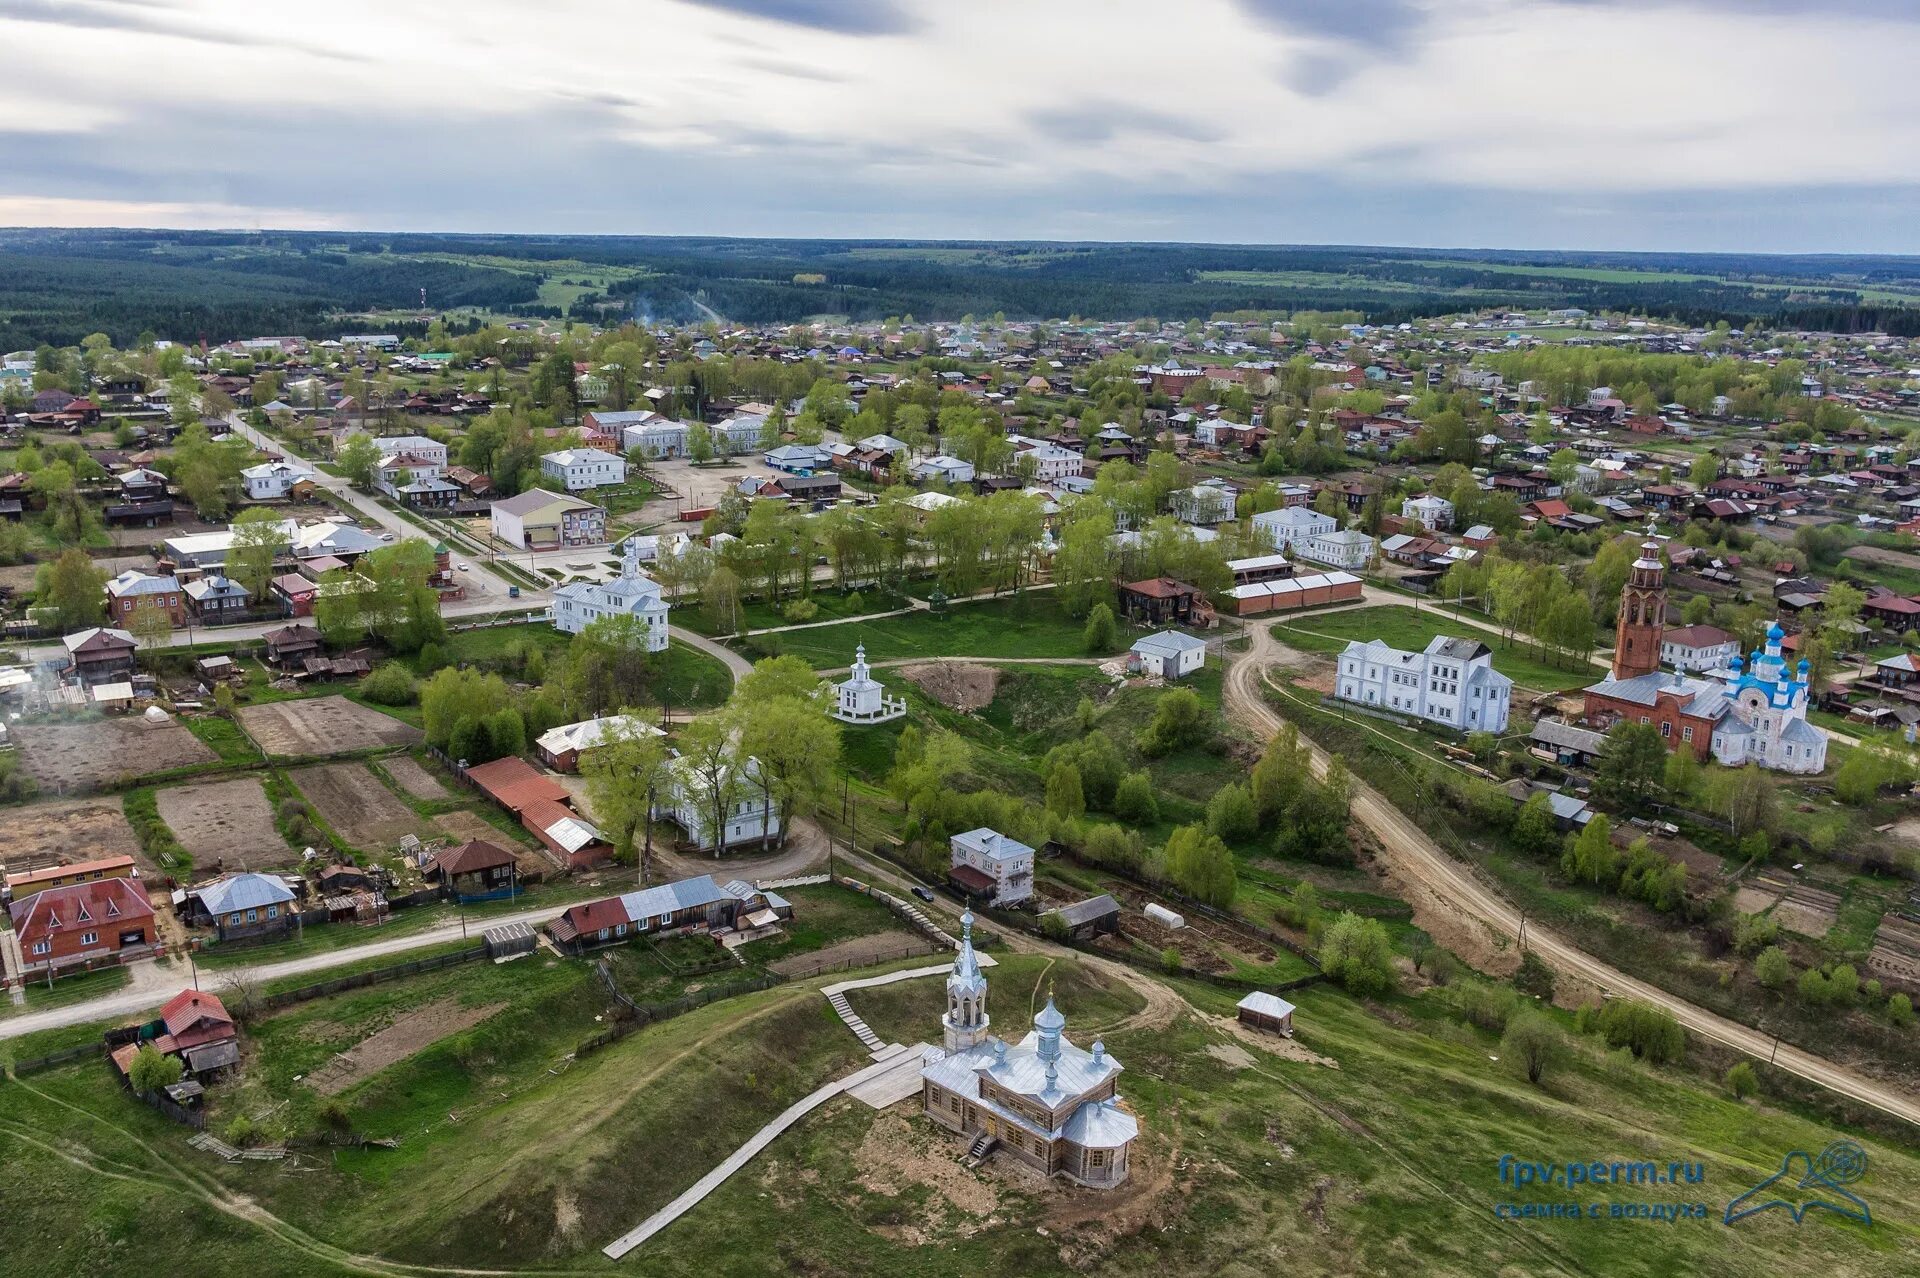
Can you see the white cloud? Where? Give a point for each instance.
(957, 120)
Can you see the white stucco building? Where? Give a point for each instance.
(584, 468)
(1305, 533)
(269, 481)
(860, 699)
(1435, 513)
(1451, 682)
(1169, 654)
(688, 799)
(987, 863)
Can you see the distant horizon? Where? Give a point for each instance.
(969, 240)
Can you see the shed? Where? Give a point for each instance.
(509, 941)
(1163, 916)
(1268, 1012)
(1096, 917)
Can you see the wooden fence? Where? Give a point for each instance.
(64, 1056)
(640, 1015)
(376, 976)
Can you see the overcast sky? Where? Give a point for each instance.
(1784, 125)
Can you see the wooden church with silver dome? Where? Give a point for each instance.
(1049, 1104)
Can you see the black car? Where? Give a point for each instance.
(925, 894)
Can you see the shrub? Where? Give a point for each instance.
(1489, 1007)
(1532, 1044)
(800, 610)
(240, 1132)
(1650, 1033)
(1815, 991)
(1180, 720)
(1754, 931)
(1113, 847)
(430, 658)
(1170, 959)
(1134, 800)
(1201, 866)
(1357, 954)
(1742, 1081)
(1900, 1010)
(1231, 814)
(1053, 927)
(1101, 633)
(391, 684)
(151, 1069)
(1772, 968)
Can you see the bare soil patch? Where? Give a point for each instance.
(65, 831)
(322, 726)
(856, 951)
(226, 825)
(1896, 952)
(356, 804)
(898, 1156)
(414, 778)
(412, 1033)
(958, 685)
(91, 752)
(464, 826)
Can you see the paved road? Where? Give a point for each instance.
(1417, 859)
(151, 988)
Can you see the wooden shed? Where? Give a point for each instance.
(1267, 1012)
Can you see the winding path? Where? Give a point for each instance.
(1418, 860)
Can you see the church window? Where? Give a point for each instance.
(1666, 729)
(1686, 733)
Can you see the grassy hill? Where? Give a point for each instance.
(1379, 1152)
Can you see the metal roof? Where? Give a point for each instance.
(243, 892)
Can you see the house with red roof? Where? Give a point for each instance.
(84, 925)
(544, 807)
(195, 1026)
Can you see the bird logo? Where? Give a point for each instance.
(1805, 1182)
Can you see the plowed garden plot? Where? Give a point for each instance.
(64, 831)
(355, 803)
(66, 756)
(414, 1032)
(225, 824)
(322, 726)
(414, 778)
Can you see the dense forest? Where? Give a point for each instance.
(59, 285)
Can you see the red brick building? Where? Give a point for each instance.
(93, 924)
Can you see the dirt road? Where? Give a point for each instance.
(1438, 883)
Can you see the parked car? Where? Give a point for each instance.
(386, 536)
(925, 894)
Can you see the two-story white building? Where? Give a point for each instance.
(1434, 513)
(690, 797)
(269, 481)
(987, 863)
(1203, 504)
(1694, 648)
(584, 468)
(1451, 682)
(1052, 463)
(408, 459)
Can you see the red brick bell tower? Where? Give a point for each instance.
(1643, 614)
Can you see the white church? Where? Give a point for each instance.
(579, 604)
(860, 699)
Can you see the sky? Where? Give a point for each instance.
(1739, 125)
